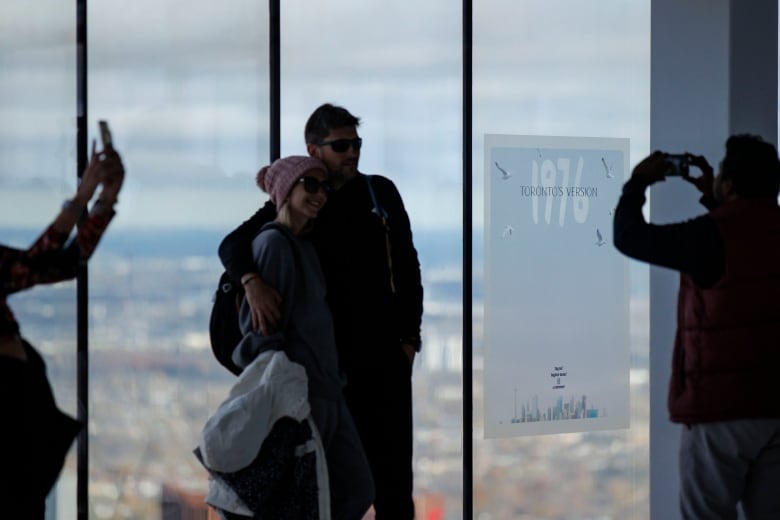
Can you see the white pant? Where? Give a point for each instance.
(723, 464)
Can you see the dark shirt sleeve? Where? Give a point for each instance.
(693, 247)
(406, 266)
(235, 250)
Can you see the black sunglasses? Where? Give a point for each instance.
(313, 185)
(342, 145)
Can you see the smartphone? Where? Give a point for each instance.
(105, 134)
(679, 162)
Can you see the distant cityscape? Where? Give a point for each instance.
(153, 383)
(560, 411)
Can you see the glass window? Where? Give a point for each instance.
(184, 87)
(38, 172)
(565, 68)
(397, 66)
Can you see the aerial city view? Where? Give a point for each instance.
(154, 382)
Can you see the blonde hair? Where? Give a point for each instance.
(284, 217)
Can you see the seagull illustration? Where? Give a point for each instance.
(504, 174)
(599, 239)
(508, 230)
(608, 169)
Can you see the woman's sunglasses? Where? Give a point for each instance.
(342, 145)
(314, 185)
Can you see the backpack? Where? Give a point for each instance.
(224, 328)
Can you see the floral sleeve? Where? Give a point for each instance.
(51, 258)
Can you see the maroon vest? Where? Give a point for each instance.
(726, 361)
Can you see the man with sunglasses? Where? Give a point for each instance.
(364, 241)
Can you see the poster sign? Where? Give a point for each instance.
(556, 339)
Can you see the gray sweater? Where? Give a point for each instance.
(290, 265)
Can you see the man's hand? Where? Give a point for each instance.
(264, 303)
(652, 168)
(706, 180)
(410, 352)
(11, 346)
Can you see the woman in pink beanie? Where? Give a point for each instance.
(287, 260)
(297, 205)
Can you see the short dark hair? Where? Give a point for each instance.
(325, 118)
(752, 166)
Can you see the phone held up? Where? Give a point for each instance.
(105, 134)
(679, 165)
(106, 144)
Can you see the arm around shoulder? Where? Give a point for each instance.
(235, 250)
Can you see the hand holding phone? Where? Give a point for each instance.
(111, 164)
(704, 182)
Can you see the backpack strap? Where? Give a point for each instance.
(378, 209)
(382, 214)
(285, 234)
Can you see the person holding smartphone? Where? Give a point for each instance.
(726, 355)
(35, 435)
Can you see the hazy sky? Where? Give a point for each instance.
(184, 85)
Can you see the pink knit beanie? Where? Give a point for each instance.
(278, 179)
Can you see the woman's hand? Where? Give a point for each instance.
(90, 180)
(112, 175)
